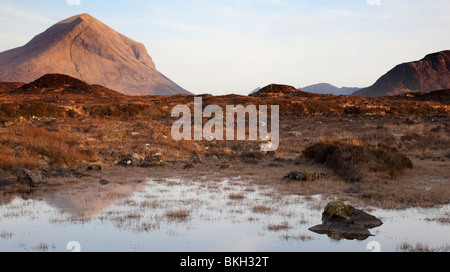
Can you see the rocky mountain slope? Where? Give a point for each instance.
(429, 74)
(85, 48)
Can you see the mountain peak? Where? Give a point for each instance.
(83, 47)
(84, 17)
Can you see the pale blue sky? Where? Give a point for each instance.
(234, 46)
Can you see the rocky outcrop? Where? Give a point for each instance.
(341, 221)
(429, 74)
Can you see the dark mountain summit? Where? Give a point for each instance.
(429, 74)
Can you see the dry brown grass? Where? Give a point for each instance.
(31, 147)
(420, 247)
(278, 227)
(301, 237)
(6, 235)
(178, 215)
(262, 209)
(236, 196)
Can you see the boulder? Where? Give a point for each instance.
(305, 175)
(31, 178)
(341, 221)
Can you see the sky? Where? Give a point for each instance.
(234, 46)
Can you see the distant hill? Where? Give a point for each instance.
(427, 75)
(85, 48)
(59, 86)
(255, 91)
(325, 88)
(277, 90)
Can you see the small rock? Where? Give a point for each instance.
(125, 163)
(294, 133)
(195, 158)
(104, 182)
(32, 178)
(131, 160)
(157, 157)
(305, 175)
(94, 167)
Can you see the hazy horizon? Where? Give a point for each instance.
(231, 46)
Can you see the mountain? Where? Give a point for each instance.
(277, 90)
(325, 88)
(85, 48)
(426, 75)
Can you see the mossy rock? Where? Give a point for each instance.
(305, 175)
(338, 209)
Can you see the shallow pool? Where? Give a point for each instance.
(200, 216)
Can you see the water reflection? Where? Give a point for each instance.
(177, 215)
(84, 203)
